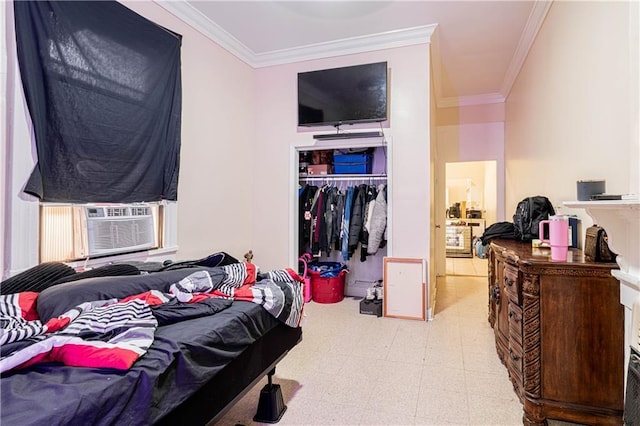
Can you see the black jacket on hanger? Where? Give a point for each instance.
(357, 217)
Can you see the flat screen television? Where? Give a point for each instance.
(346, 95)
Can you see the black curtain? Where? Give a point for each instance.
(103, 87)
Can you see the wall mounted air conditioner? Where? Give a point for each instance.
(111, 229)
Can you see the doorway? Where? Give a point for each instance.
(471, 205)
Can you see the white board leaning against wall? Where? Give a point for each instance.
(404, 288)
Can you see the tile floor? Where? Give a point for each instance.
(467, 266)
(353, 369)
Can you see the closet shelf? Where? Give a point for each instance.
(341, 177)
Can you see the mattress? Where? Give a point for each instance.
(183, 357)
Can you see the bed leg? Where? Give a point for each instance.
(271, 404)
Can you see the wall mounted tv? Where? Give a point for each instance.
(346, 95)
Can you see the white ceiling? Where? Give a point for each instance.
(477, 46)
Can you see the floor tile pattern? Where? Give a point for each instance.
(354, 369)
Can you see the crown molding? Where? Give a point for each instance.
(534, 22)
(347, 46)
(536, 18)
(454, 101)
(385, 40)
(436, 67)
(196, 19)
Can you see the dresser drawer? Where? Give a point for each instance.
(512, 284)
(515, 322)
(514, 360)
(514, 367)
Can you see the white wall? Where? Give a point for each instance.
(276, 134)
(569, 112)
(20, 224)
(214, 193)
(3, 134)
(239, 125)
(475, 142)
(217, 137)
(468, 140)
(573, 114)
(434, 266)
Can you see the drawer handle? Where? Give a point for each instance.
(508, 282)
(495, 293)
(512, 315)
(513, 356)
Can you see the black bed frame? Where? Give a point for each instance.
(218, 395)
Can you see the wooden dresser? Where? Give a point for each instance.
(559, 330)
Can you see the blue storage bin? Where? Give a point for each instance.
(352, 163)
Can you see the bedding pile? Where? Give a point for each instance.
(110, 322)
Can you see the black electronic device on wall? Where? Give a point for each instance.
(346, 95)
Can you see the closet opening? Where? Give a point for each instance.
(471, 204)
(328, 176)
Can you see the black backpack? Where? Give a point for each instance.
(503, 230)
(529, 213)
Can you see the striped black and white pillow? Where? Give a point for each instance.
(239, 274)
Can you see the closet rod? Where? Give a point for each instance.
(344, 177)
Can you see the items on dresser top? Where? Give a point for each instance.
(557, 228)
(596, 245)
(589, 188)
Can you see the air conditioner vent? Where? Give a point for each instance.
(140, 211)
(71, 232)
(117, 211)
(114, 229)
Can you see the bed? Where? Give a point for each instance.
(218, 331)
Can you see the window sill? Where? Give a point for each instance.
(156, 255)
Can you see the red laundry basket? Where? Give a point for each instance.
(327, 289)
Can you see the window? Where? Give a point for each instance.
(103, 88)
(73, 232)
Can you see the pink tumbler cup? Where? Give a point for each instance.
(558, 236)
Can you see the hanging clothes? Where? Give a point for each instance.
(378, 222)
(357, 218)
(369, 199)
(313, 220)
(331, 218)
(336, 242)
(319, 236)
(344, 234)
(305, 202)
